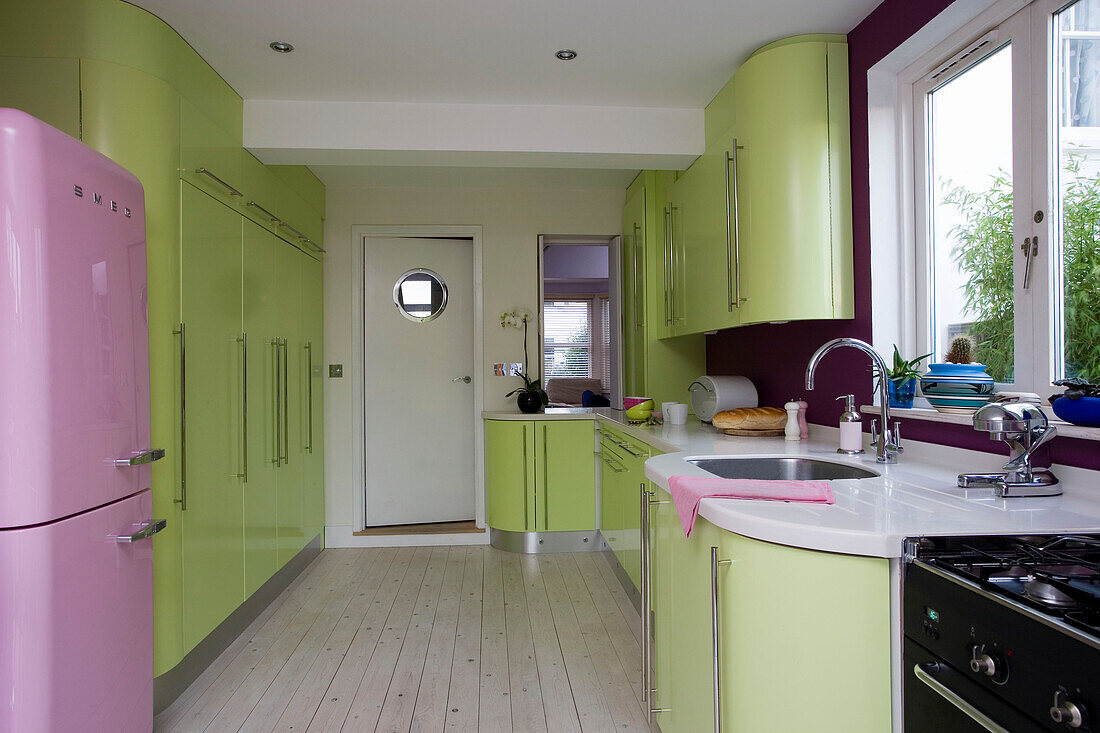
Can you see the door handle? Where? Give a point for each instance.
(140, 458)
(467, 379)
(145, 530)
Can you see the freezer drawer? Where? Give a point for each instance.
(76, 623)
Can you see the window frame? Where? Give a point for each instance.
(1028, 27)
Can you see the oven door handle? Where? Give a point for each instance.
(922, 673)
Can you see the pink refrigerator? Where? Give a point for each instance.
(76, 554)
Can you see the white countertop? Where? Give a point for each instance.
(917, 496)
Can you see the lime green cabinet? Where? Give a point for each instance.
(793, 624)
(261, 324)
(289, 484)
(760, 224)
(213, 543)
(622, 476)
(129, 86)
(654, 363)
(133, 118)
(793, 187)
(312, 353)
(540, 475)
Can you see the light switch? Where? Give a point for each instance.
(335, 371)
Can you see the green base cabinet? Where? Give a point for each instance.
(540, 475)
(803, 636)
(622, 475)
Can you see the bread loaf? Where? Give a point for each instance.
(751, 418)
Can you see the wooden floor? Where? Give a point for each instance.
(431, 639)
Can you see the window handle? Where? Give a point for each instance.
(1030, 248)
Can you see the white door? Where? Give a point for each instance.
(418, 391)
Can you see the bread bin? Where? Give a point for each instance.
(710, 395)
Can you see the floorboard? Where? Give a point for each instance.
(430, 640)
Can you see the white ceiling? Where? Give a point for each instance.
(644, 53)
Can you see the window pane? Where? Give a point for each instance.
(605, 342)
(970, 195)
(567, 338)
(1077, 186)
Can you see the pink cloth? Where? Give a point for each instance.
(688, 491)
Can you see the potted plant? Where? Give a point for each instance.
(957, 384)
(902, 376)
(532, 397)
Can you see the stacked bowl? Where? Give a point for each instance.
(959, 388)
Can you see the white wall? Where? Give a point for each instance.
(511, 220)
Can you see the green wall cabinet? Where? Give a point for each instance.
(540, 475)
(760, 225)
(654, 363)
(794, 624)
(128, 85)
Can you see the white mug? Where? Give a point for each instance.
(676, 413)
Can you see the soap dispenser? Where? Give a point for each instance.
(851, 428)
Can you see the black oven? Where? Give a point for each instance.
(980, 654)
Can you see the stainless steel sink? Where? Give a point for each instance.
(790, 469)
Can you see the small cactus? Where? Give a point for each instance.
(961, 352)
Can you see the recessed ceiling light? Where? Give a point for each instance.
(281, 47)
(566, 54)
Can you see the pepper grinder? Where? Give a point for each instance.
(791, 431)
(851, 427)
(803, 428)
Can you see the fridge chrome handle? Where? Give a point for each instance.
(182, 333)
(922, 673)
(716, 671)
(140, 458)
(145, 531)
(309, 394)
(243, 341)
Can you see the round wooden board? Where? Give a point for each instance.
(754, 433)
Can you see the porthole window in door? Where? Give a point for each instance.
(420, 295)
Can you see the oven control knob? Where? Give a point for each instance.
(982, 663)
(1066, 712)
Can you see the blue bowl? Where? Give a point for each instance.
(957, 387)
(1085, 411)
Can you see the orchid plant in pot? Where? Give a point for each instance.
(532, 397)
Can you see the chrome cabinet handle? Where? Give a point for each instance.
(147, 530)
(526, 526)
(672, 260)
(614, 465)
(243, 341)
(647, 674)
(667, 265)
(264, 211)
(283, 225)
(206, 172)
(714, 638)
(545, 484)
(276, 404)
(639, 276)
(467, 379)
(955, 699)
(182, 333)
(140, 458)
(309, 392)
(286, 405)
(733, 234)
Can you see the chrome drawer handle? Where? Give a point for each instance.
(141, 458)
(148, 529)
(232, 191)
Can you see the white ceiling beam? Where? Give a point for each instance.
(384, 133)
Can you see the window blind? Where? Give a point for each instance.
(567, 339)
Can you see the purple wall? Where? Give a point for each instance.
(775, 356)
